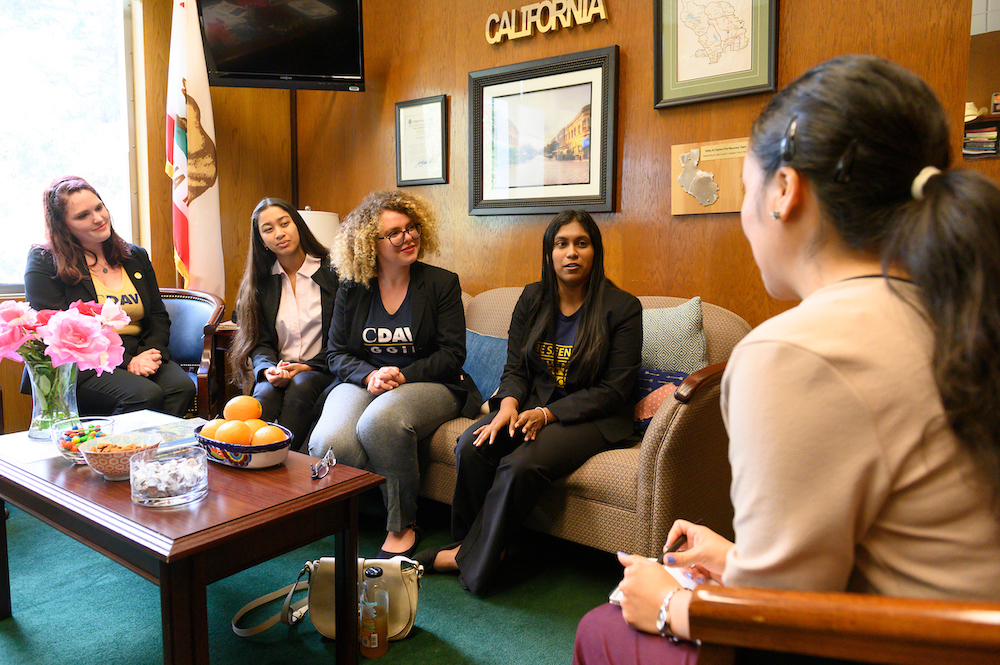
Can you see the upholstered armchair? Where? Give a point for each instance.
(854, 627)
(193, 317)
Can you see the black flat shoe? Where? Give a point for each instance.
(426, 558)
(417, 537)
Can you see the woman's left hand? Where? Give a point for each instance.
(643, 588)
(530, 422)
(146, 363)
(385, 379)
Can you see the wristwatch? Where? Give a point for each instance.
(663, 618)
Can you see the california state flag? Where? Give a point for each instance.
(191, 158)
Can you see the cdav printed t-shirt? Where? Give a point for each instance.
(126, 297)
(388, 338)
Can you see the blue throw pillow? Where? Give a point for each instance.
(485, 357)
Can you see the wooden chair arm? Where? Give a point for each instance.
(860, 627)
(693, 382)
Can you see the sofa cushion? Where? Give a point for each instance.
(673, 339)
(484, 360)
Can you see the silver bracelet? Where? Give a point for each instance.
(544, 415)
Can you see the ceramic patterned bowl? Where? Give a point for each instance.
(246, 457)
(70, 433)
(114, 464)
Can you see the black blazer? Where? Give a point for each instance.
(438, 318)
(265, 354)
(607, 401)
(44, 290)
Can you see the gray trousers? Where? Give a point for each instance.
(380, 434)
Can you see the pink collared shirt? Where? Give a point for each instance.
(299, 323)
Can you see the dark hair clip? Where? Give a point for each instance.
(842, 172)
(788, 141)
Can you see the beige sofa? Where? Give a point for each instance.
(623, 499)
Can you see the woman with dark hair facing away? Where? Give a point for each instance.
(883, 382)
(397, 342)
(284, 308)
(84, 259)
(573, 353)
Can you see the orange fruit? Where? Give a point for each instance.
(234, 431)
(268, 434)
(255, 424)
(242, 407)
(208, 431)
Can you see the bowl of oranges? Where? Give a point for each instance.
(241, 439)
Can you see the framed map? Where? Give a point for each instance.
(711, 49)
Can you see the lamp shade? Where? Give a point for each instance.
(322, 224)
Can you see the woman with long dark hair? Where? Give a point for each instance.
(84, 259)
(573, 354)
(283, 309)
(397, 343)
(864, 424)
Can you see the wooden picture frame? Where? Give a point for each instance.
(542, 135)
(422, 141)
(700, 58)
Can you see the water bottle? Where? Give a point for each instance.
(374, 600)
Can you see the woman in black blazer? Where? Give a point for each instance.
(573, 354)
(397, 341)
(283, 309)
(84, 259)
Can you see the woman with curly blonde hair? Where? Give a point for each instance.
(397, 344)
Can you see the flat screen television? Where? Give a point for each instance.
(309, 44)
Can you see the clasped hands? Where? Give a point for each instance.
(530, 422)
(646, 582)
(279, 375)
(146, 363)
(383, 380)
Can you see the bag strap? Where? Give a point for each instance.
(291, 613)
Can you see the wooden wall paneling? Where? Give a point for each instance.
(253, 144)
(156, 43)
(421, 48)
(16, 407)
(984, 69)
(253, 141)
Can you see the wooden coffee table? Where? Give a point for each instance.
(247, 517)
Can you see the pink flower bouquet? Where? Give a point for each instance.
(84, 336)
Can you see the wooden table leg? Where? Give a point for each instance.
(5, 607)
(184, 613)
(346, 550)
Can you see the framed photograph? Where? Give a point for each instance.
(712, 51)
(422, 142)
(542, 135)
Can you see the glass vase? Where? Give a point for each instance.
(53, 395)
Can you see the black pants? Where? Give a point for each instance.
(296, 406)
(498, 486)
(170, 391)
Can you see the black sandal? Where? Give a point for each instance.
(426, 558)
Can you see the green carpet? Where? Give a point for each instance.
(74, 606)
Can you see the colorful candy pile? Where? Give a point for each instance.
(73, 437)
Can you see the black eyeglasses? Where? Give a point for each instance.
(396, 237)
